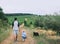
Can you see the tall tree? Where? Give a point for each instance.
(1, 13)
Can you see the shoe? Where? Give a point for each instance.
(23, 40)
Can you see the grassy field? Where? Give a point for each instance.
(32, 18)
(42, 38)
(21, 18)
(4, 33)
(4, 30)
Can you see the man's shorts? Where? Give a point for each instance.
(15, 32)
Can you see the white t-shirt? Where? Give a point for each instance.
(15, 27)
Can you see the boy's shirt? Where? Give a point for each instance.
(23, 34)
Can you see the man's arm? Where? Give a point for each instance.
(18, 24)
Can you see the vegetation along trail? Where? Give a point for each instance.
(10, 40)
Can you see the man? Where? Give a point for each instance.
(15, 26)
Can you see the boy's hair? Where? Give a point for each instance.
(23, 31)
(15, 18)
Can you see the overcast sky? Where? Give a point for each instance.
(30, 6)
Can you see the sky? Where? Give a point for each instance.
(30, 6)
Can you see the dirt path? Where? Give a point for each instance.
(29, 39)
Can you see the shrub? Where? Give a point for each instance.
(25, 23)
(47, 23)
(38, 23)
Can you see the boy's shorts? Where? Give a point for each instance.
(15, 32)
(24, 37)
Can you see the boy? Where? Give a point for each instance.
(23, 35)
(15, 26)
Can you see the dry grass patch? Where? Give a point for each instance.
(53, 37)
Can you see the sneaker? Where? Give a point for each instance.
(23, 40)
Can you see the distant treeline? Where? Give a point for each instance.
(17, 14)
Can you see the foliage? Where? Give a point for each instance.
(21, 19)
(48, 22)
(3, 25)
(25, 23)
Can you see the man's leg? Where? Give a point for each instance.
(16, 35)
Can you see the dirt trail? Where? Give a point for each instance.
(29, 39)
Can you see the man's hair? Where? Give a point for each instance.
(15, 18)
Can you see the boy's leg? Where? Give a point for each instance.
(23, 39)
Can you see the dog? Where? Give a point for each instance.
(35, 34)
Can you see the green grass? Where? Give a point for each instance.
(40, 39)
(21, 18)
(4, 31)
(52, 41)
(4, 35)
(43, 40)
(32, 18)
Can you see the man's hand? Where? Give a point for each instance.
(19, 30)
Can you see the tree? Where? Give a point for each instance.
(3, 19)
(1, 13)
(2, 16)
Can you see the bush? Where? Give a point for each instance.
(25, 23)
(30, 22)
(38, 23)
(3, 19)
(47, 23)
